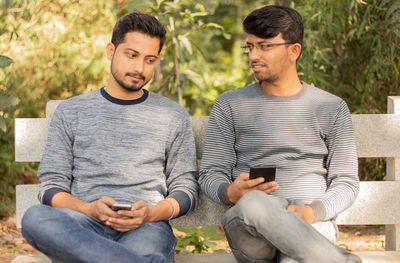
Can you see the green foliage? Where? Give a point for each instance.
(5, 100)
(351, 48)
(199, 239)
(183, 60)
(8, 168)
(58, 52)
(5, 61)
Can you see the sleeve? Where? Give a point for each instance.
(219, 155)
(55, 169)
(181, 166)
(342, 167)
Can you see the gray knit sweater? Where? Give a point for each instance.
(129, 150)
(308, 136)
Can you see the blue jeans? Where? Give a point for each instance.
(69, 236)
(259, 228)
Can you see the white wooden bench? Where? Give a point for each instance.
(377, 135)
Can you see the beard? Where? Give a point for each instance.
(131, 87)
(264, 75)
(266, 78)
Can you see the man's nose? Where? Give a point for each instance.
(138, 66)
(254, 54)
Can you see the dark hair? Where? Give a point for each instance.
(269, 21)
(138, 22)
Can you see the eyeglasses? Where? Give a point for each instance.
(263, 47)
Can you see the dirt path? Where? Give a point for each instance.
(359, 238)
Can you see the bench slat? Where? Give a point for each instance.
(30, 139)
(199, 125)
(377, 135)
(51, 106)
(376, 204)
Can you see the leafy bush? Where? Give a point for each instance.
(5, 100)
(8, 168)
(58, 52)
(198, 239)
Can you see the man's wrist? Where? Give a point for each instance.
(161, 211)
(223, 194)
(229, 194)
(86, 209)
(171, 203)
(319, 210)
(152, 216)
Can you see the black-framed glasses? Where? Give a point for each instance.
(263, 47)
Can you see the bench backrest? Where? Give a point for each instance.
(377, 135)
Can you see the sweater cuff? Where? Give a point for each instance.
(319, 210)
(183, 200)
(223, 194)
(49, 194)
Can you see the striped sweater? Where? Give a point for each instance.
(307, 136)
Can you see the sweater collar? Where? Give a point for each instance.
(123, 102)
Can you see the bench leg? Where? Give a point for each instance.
(392, 237)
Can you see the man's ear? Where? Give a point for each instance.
(295, 51)
(110, 50)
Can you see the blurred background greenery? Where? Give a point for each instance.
(56, 49)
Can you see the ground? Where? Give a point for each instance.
(353, 238)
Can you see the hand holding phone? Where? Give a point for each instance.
(121, 206)
(242, 185)
(267, 172)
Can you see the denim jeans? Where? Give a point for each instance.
(69, 236)
(259, 228)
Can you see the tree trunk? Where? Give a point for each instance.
(176, 63)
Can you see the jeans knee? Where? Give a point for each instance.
(151, 238)
(256, 206)
(255, 202)
(33, 216)
(31, 221)
(259, 199)
(75, 215)
(247, 244)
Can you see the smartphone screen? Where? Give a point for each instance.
(268, 172)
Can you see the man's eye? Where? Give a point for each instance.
(264, 47)
(151, 61)
(131, 55)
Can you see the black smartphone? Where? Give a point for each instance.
(120, 206)
(268, 172)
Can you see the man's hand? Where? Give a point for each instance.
(133, 219)
(243, 185)
(306, 212)
(100, 210)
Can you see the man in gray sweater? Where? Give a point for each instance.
(119, 144)
(303, 131)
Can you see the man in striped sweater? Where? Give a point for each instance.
(305, 132)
